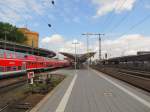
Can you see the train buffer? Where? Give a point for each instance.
(92, 91)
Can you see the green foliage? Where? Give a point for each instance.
(11, 32)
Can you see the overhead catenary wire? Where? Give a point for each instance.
(141, 21)
(62, 10)
(14, 10)
(28, 13)
(137, 24)
(111, 16)
(25, 13)
(44, 20)
(122, 20)
(133, 26)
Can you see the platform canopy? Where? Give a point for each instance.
(80, 57)
(26, 49)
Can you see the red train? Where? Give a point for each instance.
(14, 63)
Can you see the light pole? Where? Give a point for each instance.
(32, 47)
(87, 35)
(5, 37)
(99, 36)
(75, 47)
(6, 32)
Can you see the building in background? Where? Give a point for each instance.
(32, 37)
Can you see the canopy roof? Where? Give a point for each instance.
(80, 57)
(26, 49)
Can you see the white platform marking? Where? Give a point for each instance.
(62, 105)
(146, 103)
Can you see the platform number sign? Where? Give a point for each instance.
(30, 76)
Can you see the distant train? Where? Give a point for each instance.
(15, 63)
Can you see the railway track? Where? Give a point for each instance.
(8, 82)
(4, 108)
(136, 73)
(136, 78)
(7, 85)
(11, 82)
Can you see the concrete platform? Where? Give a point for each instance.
(91, 91)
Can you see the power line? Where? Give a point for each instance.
(137, 24)
(122, 20)
(27, 13)
(75, 47)
(12, 9)
(111, 16)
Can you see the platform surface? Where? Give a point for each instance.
(92, 91)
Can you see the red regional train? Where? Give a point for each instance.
(15, 63)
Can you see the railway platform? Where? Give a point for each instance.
(92, 91)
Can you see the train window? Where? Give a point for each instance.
(1, 53)
(8, 54)
(14, 68)
(8, 68)
(19, 67)
(1, 69)
(14, 54)
(25, 56)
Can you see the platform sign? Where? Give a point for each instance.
(30, 77)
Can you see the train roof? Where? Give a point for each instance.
(26, 49)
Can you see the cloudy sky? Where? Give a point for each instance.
(125, 23)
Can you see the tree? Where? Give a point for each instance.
(11, 33)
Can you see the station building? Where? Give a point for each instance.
(32, 37)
